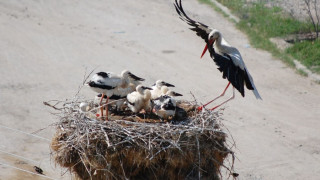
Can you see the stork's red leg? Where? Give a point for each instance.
(222, 94)
(101, 107)
(107, 109)
(232, 97)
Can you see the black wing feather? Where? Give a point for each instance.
(248, 82)
(177, 94)
(113, 97)
(116, 97)
(104, 97)
(100, 85)
(103, 74)
(235, 75)
(195, 25)
(169, 105)
(135, 77)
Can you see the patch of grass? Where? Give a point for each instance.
(269, 22)
(302, 73)
(261, 42)
(261, 23)
(308, 53)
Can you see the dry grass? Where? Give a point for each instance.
(191, 146)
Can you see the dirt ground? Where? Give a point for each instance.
(46, 47)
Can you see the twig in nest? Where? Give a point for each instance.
(53, 106)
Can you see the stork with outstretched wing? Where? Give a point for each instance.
(227, 58)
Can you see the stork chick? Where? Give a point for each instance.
(139, 99)
(165, 107)
(156, 88)
(166, 91)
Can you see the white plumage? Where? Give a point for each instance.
(224, 48)
(84, 106)
(139, 99)
(105, 83)
(120, 94)
(166, 91)
(109, 84)
(147, 105)
(156, 88)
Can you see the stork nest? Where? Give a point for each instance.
(190, 146)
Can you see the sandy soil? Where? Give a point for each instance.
(46, 47)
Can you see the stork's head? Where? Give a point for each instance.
(141, 89)
(212, 37)
(125, 78)
(128, 77)
(172, 93)
(125, 73)
(160, 83)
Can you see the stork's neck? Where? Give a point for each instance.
(124, 82)
(169, 93)
(164, 89)
(140, 91)
(218, 42)
(131, 86)
(147, 95)
(222, 45)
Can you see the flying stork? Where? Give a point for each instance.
(227, 58)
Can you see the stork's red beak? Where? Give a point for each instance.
(211, 41)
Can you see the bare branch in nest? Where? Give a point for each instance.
(53, 106)
(85, 78)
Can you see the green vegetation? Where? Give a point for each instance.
(302, 73)
(261, 23)
(270, 22)
(308, 53)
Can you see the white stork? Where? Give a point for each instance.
(139, 99)
(109, 83)
(227, 58)
(156, 88)
(166, 91)
(165, 107)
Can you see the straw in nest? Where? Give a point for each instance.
(193, 147)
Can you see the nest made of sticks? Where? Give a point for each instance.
(191, 148)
